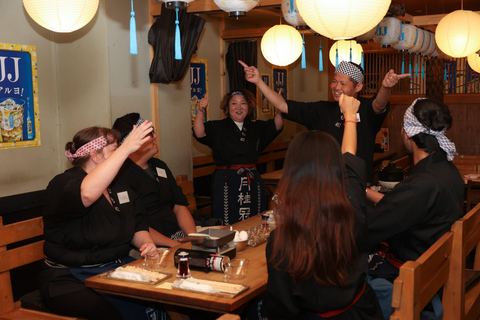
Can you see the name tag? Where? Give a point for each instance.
(161, 172)
(358, 117)
(123, 197)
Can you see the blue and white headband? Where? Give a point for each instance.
(350, 70)
(139, 122)
(236, 93)
(412, 127)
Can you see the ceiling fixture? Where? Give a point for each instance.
(236, 8)
(474, 61)
(342, 19)
(61, 16)
(346, 50)
(281, 45)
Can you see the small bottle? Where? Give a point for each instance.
(183, 270)
(202, 260)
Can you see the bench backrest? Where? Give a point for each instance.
(24, 254)
(187, 189)
(420, 280)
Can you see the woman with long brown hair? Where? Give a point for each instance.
(317, 255)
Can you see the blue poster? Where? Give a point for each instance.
(280, 82)
(198, 85)
(18, 96)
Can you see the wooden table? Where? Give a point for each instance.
(256, 279)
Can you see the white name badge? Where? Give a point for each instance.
(161, 172)
(123, 197)
(358, 117)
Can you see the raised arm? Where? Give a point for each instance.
(198, 125)
(252, 75)
(349, 106)
(390, 80)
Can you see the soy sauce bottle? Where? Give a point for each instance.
(202, 260)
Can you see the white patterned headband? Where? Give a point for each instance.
(412, 127)
(236, 93)
(84, 150)
(350, 70)
(139, 122)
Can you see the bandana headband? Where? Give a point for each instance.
(139, 122)
(84, 150)
(236, 93)
(350, 70)
(412, 127)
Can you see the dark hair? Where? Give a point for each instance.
(433, 115)
(251, 101)
(85, 136)
(315, 220)
(125, 124)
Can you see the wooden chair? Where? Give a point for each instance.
(462, 290)
(420, 280)
(472, 194)
(187, 188)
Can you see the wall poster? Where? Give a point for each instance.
(19, 115)
(198, 86)
(265, 106)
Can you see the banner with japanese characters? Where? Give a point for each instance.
(19, 114)
(198, 85)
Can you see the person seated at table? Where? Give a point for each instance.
(236, 142)
(420, 209)
(90, 221)
(317, 255)
(166, 207)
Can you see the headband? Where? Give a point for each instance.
(139, 122)
(412, 127)
(236, 93)
(350, 70)
(84, 150)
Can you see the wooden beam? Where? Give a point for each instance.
(243, 33)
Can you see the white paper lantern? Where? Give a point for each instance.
(364, 38)
(435, 54)
(236, 8)
(291, 14)
(458, 33)
(281, 45)
(474, 61)
(428, 44)
(408, 35)
(419, 42)
(345, 50)
(342, 19)
(61, 16)
(388, 32)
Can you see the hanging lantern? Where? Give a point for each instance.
(435, 54)
(388, 32)
(281, 45)
(61, 16)
(346, 50)
(343, 19)
(432, 48)
(474, 61)
(292, 16)
(428, 45)
(419, 43)
(458, 33)
(236, 8)
(408, 35)
(364, 38)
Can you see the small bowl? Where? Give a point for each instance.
(241, 245)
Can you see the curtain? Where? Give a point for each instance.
(245, 50)
(161, 37)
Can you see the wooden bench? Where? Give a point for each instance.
(420, 280)
(16, 234)
(463, 291)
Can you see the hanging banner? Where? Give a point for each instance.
(280, 81)
(19, 116)
(198, 86)
(264, 104)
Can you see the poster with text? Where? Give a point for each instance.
(264, 104)
(280, 81)
(198, 86)
(19, 115)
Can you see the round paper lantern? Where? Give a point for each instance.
(433, 46)
(364, 38)
(458, 33)
(61, 16)
(291, 14)
(419, 42)
(281, 45)
(435, 54)
(345, 50)
(408, 35)
(474, 61)
(236, 8)
(342, 19)
(388, 31)
(427, 43)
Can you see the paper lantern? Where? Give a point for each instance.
(364, 38)
(428, 45)
(281, 45)
(291, 14)
(432, 48)
(61, 16)
(388, 32)
(236, 8)
(458, 33)
(345, 50)
(408, 35)
(419, 43)
(342, 19)
(474, 61)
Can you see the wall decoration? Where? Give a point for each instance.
(265, 106)
(19, 115)
(280, 81)
(198, 86)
